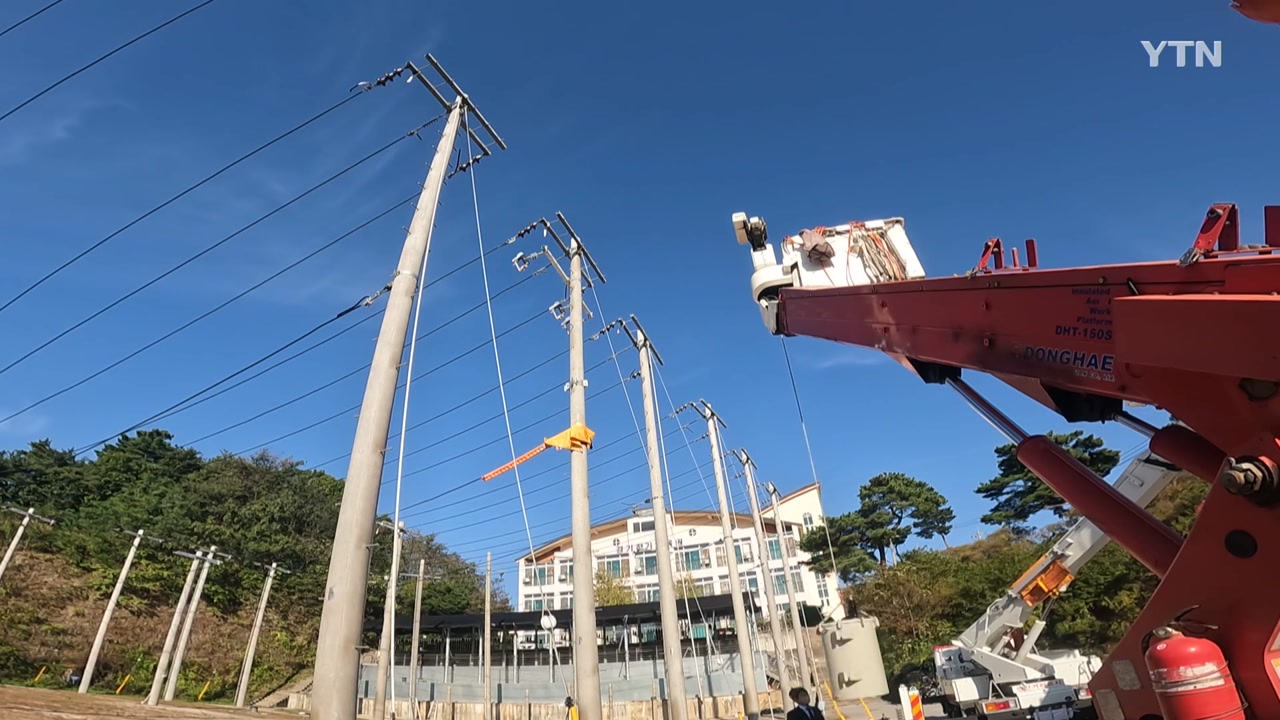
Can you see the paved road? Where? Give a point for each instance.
(880, 709)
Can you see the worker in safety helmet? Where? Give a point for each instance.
(803, 710)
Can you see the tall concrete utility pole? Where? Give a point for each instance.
(488, 637)
(337, 666)
(750, 697)
(775, 617)
(672, 653)
(166, 654)
(193, 608)
(801, 643)
(586, 660)
(386, 644)
(86, 681)
(246, 670)
(413, 644)
(17, 535)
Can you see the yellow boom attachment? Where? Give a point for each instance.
(577, 437)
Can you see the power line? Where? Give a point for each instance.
(100, 58)
(207, 250)
(315, 346)
(192, 188)
(336, 381)
(27, 19)
(222, 306)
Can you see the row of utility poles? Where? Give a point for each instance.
(338, 650)
(169, 665)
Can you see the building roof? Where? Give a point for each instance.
(682, 517)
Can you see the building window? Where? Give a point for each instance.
(615, 567)
(779, 583)
(797, 580)
(775, 549)
(541, 574)
(721, 561)
(808, 521)
(824, 594)
(695, 559)
(742, 549)
(792, 546)
(647, 564)
(642, 526)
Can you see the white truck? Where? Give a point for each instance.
(993, 669)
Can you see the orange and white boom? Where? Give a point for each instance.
(577, 437)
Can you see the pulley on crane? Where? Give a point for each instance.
(577, 437)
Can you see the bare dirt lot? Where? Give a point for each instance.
(18, 703)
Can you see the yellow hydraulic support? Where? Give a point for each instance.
(577, 437)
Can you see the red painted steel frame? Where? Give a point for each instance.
(1180, 338)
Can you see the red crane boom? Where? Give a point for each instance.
(1197, 337)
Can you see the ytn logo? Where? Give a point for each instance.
(1203, 53)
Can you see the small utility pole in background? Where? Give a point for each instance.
(386, 644)
(417, 631)
(775, 617)
(750, 697)
(342, 618)
(488, 637)
(193, 607)
(27, 516)
(672, 654)
(586, 660)
(166, 654)
(86, 681)
(801, 641)
(246, 669)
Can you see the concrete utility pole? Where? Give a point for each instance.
(775, 617)
(166, 654)
(586, 661)
(386, 644)
(338, 647)
(86, 681)
(417, 631)
(246, 670)
(17, 535)
(193, 607)
(672, 654)
(488, 637)
(801, 643)
(750, 697)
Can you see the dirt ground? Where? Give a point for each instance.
(18, 703)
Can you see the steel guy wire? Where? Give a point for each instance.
(101, 58)
(29, 18)
(202, 253)
(657, 373)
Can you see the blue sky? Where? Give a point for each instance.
(647, 125)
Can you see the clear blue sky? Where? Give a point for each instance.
(648, 125)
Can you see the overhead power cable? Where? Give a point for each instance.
(499, 488)
(29, 18)
(335, 381)
(206, 251)
(136, 38)
(190, 189)
(176, 409)
(223, 305)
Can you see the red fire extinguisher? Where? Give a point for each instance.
(1191, 678)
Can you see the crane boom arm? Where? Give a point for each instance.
(1140, 482)
(577, 437)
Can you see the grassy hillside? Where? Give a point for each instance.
(257, 510)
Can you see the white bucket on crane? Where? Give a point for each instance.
(852, 650)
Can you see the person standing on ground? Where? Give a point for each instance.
(803, 710)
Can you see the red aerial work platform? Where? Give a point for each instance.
(1196, 337)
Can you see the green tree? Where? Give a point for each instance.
(1018, 495)
(687, 588)
(612, 591)
(893, 507)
